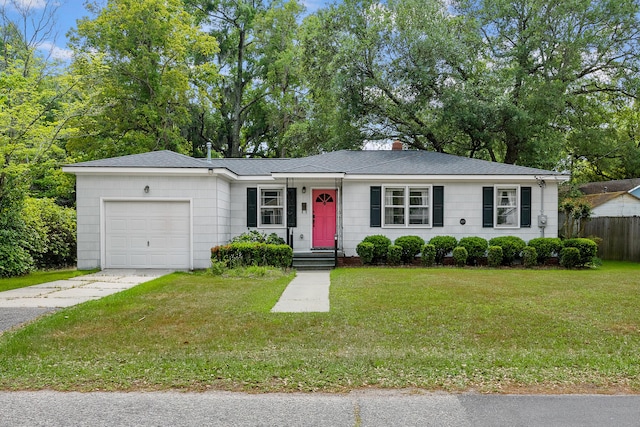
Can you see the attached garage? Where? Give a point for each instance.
(147, 234)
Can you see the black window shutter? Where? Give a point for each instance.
(376, 207)
(252, 207)
(438, 206)
(487, 206)
(525, 206)
(292, 214)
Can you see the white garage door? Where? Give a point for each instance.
(147, 234)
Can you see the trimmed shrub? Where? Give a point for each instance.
(460, 256)
(394, 255)
(546, 247)
(428, 255)
(365, 252)
(381, 246)
(258, 254)
(588, 249)
(494, 256)
(529, 256)
(411, 246)
(443, 245)
(569, 257)
(511, 246)
(476, 248)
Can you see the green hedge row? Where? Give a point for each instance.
(503, 250)
(253, 254)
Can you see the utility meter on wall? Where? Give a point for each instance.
(542, 221)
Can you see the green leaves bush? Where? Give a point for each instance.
(588, 249)
(428, 255)
(381, 246)
(494, 256)
(476, 248)
(443, 245)
(253, 254)
(411, 247)
(255, 236)
(14, 259)
(460, 256)
(570, 257)
(529, 256)
(394, 255)
(511, 246)
(50, 233)
(365, 252)
(546, 247)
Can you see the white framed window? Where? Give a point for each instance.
(506, 207)
(271, 207)
(407, 206)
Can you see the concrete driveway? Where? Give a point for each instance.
(21, 305)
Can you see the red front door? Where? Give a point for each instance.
(324, 218)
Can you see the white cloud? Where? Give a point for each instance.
(55, 51)
(36, 4)
(26, 4)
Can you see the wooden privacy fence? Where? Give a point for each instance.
(620, 237)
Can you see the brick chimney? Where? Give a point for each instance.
(397, 146)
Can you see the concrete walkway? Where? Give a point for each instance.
(307, 292)
(65, 293)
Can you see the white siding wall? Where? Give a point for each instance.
(461, 201)
(224, 211)
(239, 209)
(91, 188)
(302, 233)
(219, 211)
(624, 205)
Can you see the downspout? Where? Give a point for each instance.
(339, 238)
(542, 218)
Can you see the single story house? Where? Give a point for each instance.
(615, 204)
(166, 210)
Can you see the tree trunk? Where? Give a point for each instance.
(238, 96)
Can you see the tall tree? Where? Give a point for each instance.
(262, 96)
(546, 60)
(139, 60)
(389, 64)
(34, 113)
(499, 79)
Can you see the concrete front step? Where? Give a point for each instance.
(313, 260)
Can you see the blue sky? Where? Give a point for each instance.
(69, 11)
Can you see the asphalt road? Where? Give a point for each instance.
(14, 316)
(371, 408)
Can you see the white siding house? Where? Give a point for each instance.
(164, 209)
(616, 204)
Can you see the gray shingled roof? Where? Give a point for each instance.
(153, 159)
(408, 162)
(349, 162)
(610, 186)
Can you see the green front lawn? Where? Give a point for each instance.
(38, 277)
(438, 329)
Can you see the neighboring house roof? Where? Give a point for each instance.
(610, 186)
(389, 162)
(600, 199)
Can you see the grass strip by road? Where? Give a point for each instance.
(438, 329)
(38, 277)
